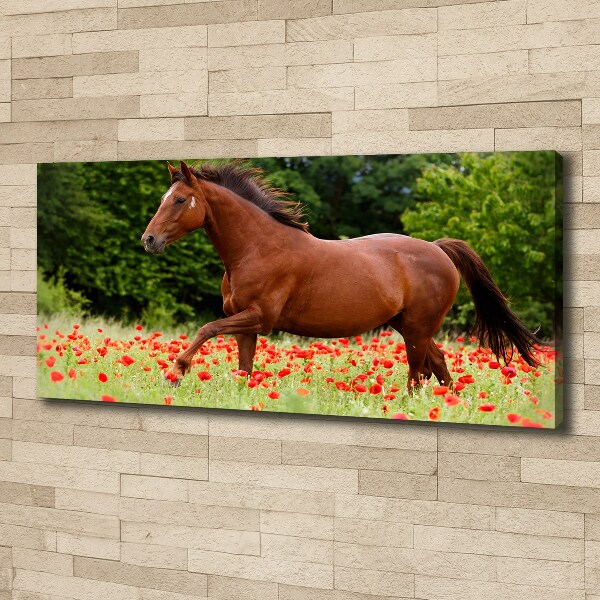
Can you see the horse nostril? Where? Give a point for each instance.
(149, 240)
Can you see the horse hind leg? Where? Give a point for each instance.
(417, 342)
(437, 362)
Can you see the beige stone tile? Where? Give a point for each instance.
(561, 472)
(519, 495)
(494, 543)
(67, 21)
(88, 502)
(184, 513)
(398, 485)
(539, 138)
(302, 429)
(292, 147)
(518, 37)
(419, 562)
(154, 488)
(296, 548)
(252, 127)
(188, 14)
(50, 475)
(197, 149)
(374, 582)
(27, 46)
(175, 59)
(23, 537)
(373, 533)
(135, 84)
(363, 74)
(247, 80)
(18, 175)
(76, 64)
(372, 24)
(435, 588)
(143, 441)
(273, 9)
(75, 587)
(173, 105)
(396, 95)
(33, 6)
(265, 498)
(148, 555)
(518, 88)
(540, 522)
(590, 110)
(30, 495)
(73, 108)
(198, 538)
(43, 432)
(26, 153)
(226, 588)
(249, 33)
(469, 466)
(361, 457)
(246, 450)
(18, 195)
(564, 60)
(15, 324)
(183, 467)
(281, 101)
(274, 55)
(83, 545)
(39, 560)
(539, 11)
(150, 129)
(484, 14)
(550, 573)
(261, 569)
(297, 524)
(185, 36)
(76, 457)
(358, 121)
(177, 582)
(468, 66)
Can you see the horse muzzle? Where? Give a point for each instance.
(152, 244)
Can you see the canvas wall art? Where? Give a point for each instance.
(405, 287)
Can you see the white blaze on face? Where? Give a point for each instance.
(193, 203)
(166, 196)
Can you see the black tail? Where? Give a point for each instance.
(496, 325)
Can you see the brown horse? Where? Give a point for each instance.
(280, 277)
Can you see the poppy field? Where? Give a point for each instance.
(364, 376)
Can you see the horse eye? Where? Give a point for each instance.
(179, 200)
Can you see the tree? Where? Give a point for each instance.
(505, 206)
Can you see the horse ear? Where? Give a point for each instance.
(171, 168)
(187, 173)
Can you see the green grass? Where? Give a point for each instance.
(304, 390)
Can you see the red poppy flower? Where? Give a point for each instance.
(302, 392)
(284, 372)
(359, 387)
(56, 376)
(493, 364)
(532, 424)
(107, 398)
(389, 397)
(458, 386)
(482, 395)
(273, 395)
(375, 389)
(126, 360)
(138, 327)
(440, 390)
(508, 371)
(400, 416)
(50, 361)
(204, 376)
(513, 417)
(487, 407)
(103, 377)
(434, 413)
(451, 399)
(72, 373)
(168, 400)
(466, 379)
(388, 364)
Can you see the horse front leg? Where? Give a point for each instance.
(247, 322)
(247, 349)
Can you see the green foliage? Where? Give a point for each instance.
(504, 206)
(55, 297)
